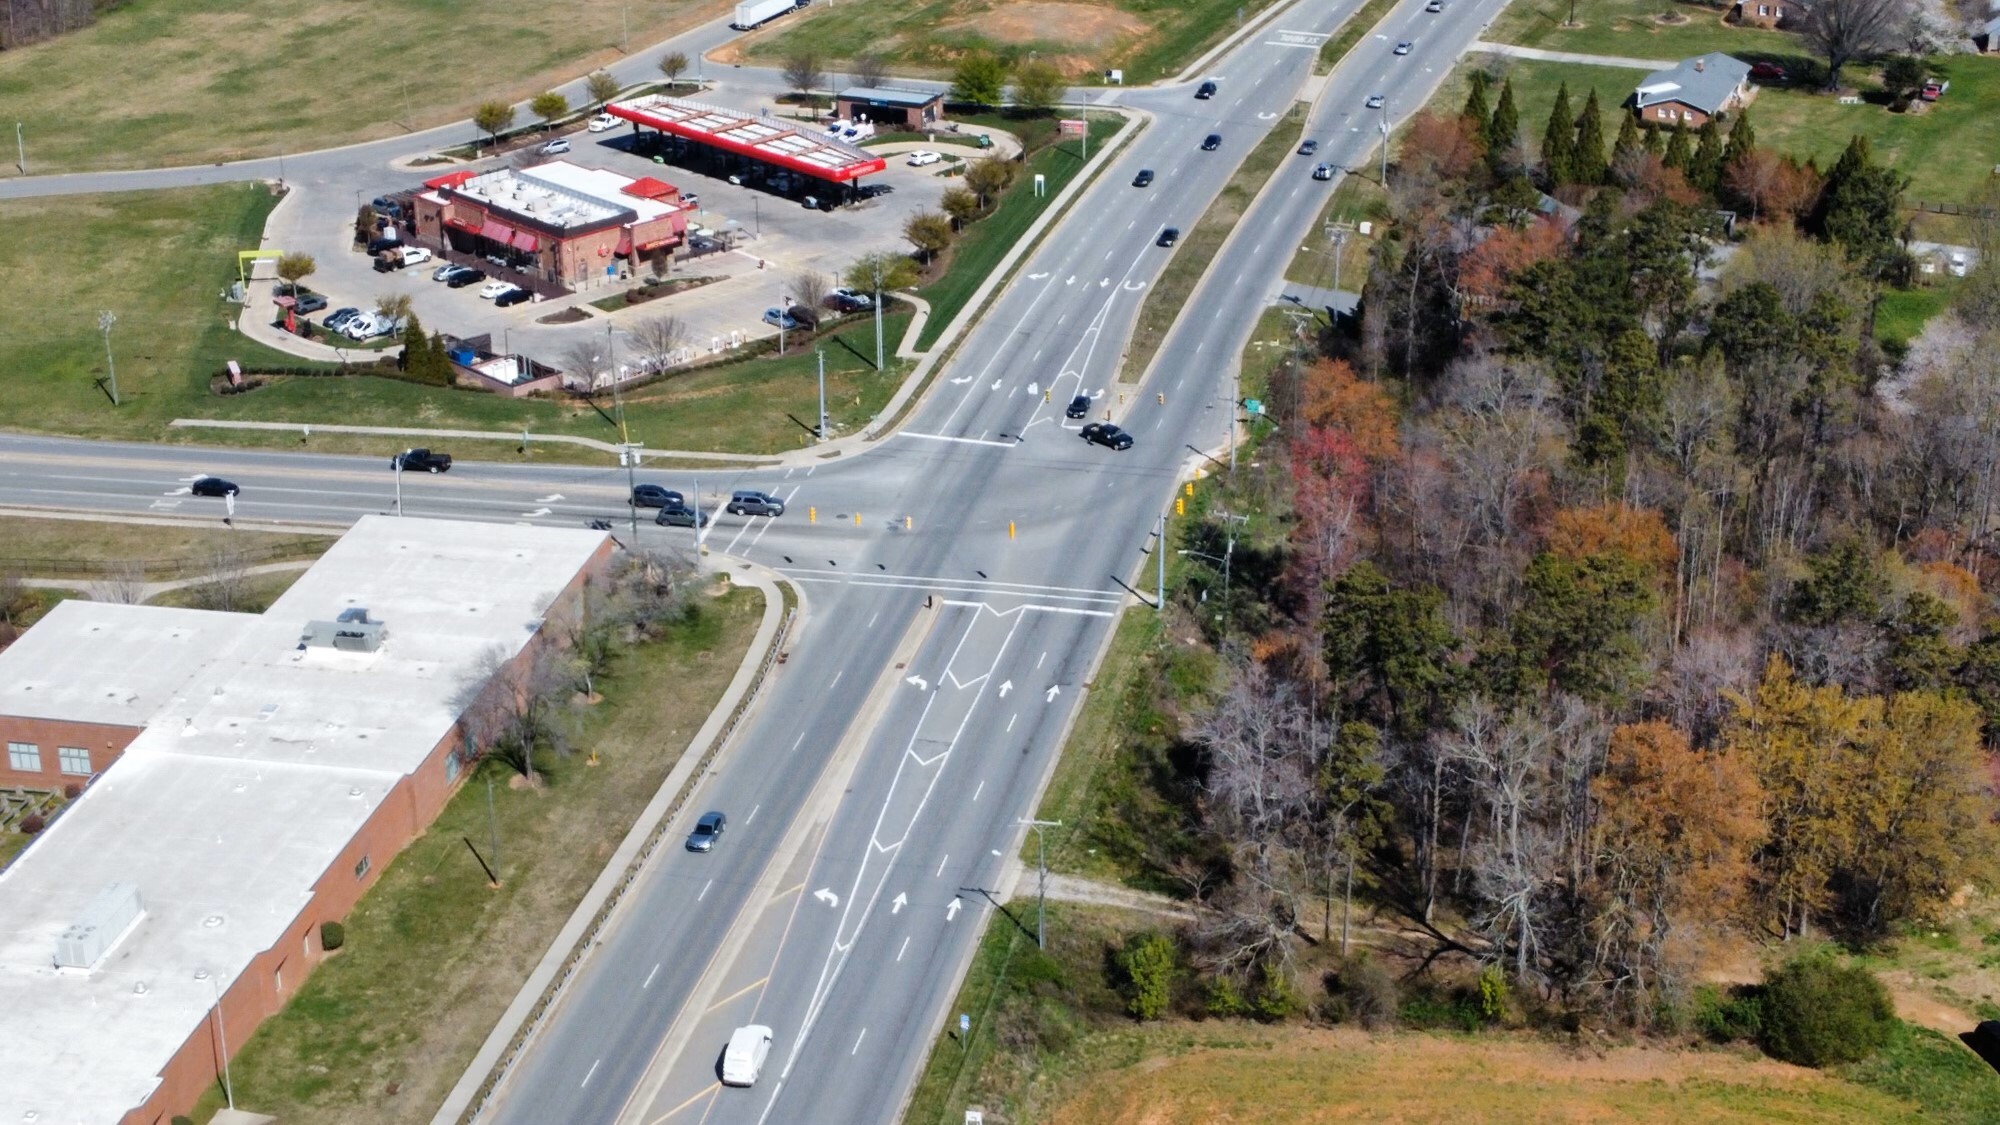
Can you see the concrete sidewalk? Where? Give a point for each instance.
(1539, 55)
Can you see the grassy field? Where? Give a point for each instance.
(382, 1029)
(1358, 198)
(1902, 313)
(1147, 39)
(1535, 85)
(1635, 29)
(1199, 244)
(979, 249)
(58, 548)
(193, 81)
(254, 594)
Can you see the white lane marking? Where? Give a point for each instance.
(941, 863)
(871, 620)
(836, 679)
(982, 784)
(587, 1077)
(1038, 660)
(650, 976)
(857, 1041)
(972, 589)
(947, 437)
(991, 583)
(795, 742)
(704, 890)
(731, 549)
(904, 949)
(1010, 721)
(753, 815)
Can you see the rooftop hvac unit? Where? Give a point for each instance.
(91, 936)
(344, 634)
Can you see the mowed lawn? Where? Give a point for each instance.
(159, 261)
(1633, 28)
(192, 81)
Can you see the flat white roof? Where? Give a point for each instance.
(559, 194)
(243, 789)
(599, 183)
(96, 662)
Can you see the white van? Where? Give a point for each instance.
(744, 1059)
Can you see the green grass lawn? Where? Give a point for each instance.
(1902, 313)
(1535, 85)
(61, 548)
(193, 81)
(1633, 28)
(1350, 33)
(1147, 39)
(1357, 199)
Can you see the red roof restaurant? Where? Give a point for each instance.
(558, 221)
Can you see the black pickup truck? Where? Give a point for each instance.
(420, 461)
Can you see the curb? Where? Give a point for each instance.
(544, 987)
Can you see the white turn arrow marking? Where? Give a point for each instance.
(897, 904)
(1103, 283)
(1053, 692)
(1034, 388)
(951, 912)
(1267, 117)
(550, 499)
(536, 512)
(995, 386)
(1134, 286)
(827, 896)
(919, 683)
(1005, 688)
(1071, 280)
(1037, 276)
(961, 382)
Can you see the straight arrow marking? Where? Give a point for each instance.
(897, 904)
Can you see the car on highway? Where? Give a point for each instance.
(743, 1059)
(1144, 178)
(779, 318)
(1375, 101)
(1107, 435)
(1322, 171)
(1309, 148)
(513, 296)
(603, 123)
(420, 461)
(1168, 236)
(680, 515)
(1434, 7)
(555, 147)
(1205, 91)
(308, 303)
(706, 832)
(465, 276)
(213, 486)
(750, 502)
(339, 317)
(1078, 407)
(1403, 48)
(1211, 142)
(922, 157)
(654, 496)
(493, 289)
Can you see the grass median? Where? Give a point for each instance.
(1356, 200)
(433, 955)
(1350, 33)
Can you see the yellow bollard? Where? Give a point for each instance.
(1163, 398)
(812, 515)
(1190, 488)
(906, 523)
(857, 519)
(1010, 529)
(1180, 506)
(1047, 393)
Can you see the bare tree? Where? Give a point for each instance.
(660, 340)
(1844, 30)
(651, 592)
(803, 72)
(868, 69)
(810, 287)
(226, 584)
(586, 363)
(673, 64)
(513, 709)
(123, 583)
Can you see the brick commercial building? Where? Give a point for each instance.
(561, 222)
(914, 110)
(254, 775)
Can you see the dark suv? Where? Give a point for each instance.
(1205, 91)
(748, 502)
(420, 461)
(1078, 407)
(655, 496)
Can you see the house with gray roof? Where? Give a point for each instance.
(1693, 90)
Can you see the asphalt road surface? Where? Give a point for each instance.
(880, 786)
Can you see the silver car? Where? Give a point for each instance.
(706, 832)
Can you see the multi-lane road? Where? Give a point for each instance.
(949, 628)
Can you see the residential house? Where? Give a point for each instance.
(1987, 38)
(1765, 13)
(1693, 91)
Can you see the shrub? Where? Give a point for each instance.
(1365, 990)
(72, 791)
(1225, 1000)
(1818, 1012)
(1729, 1016)
(1147, 966)
(1493, 994)
(32, 823)
(332, 935)
(1276, 998)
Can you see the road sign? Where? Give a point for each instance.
(1071, 127)
(1254, 405)
(964, 1024)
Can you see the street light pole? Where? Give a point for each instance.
(105, 320)
(784, 314)
(222, 1035)
(875, 269)
(399, 484)
(1339, 245)
(629, 457)
(1042, 891)
(1385, 145)
(822, 393)
(20, 148)
(1160, 557)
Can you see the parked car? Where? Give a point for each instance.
(1768, 72)
(420, 461)
(444, 272)
(851, 299)
(1957, 265)
(778, 318)
(1308, 148)
(1403, 48)
(308, 302)
(465, 276)
(213, 486)
(870, 191)
(362, 326)
(602, 123)
(338, 317)
(655, 496)
(1078, 407)
(815, 203)
(690, 199)
(555, 147)
(1375, 101)
(1933, 90)
(680, 515)
(1107, 435)
(749, 502)
(385, 204)
(1205, 91)
(1144, 178)
(1169, 236)
(982, 140)
(513, 296)
(1211, 142)
(386, 242)
(923, 156)
(1322, 171)
(743, 1059)
(493, 289)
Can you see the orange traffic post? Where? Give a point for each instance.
(812, 515)
(1010, 529)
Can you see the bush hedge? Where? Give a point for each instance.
(332, 935)
(1818, 1012)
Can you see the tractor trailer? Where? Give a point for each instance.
(755, 13)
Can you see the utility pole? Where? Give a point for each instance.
(399, 484)
(784, 314)
(1339, 244)
(628, 456)
(1042, 892)
(875, 268)
(1160, 557)
(1385, 146)
(105, 320)
(492, 820)
(822, 393)
(617, 397)
(20, 148)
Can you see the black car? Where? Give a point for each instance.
(377, 245)
(1169, 236)
(420, 461)
(707, 831)
(213, 486)
(309, 303)
(748, 502)
(1211, 142)
(1106, 434)
(338, 317)
(1205, 91)
(1144, 177)
(655, 496)
(1078, 407)
(512, 296)
(1308, 148)
(680, 515)
(465, 277)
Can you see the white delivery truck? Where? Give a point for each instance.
(753, 13)
(743, 1059)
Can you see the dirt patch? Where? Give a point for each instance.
(1074, 25)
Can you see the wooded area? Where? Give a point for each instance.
(30, 21)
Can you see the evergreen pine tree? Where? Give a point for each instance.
(1476, 110)
(1742, 140)
(1653, 140)
(416, 349)
(1559, 142)
(439, 362)
(1628, 141)
(1677, 150)
(1704, 168)
(1589, 159)
(1860, 207)
(1503, 130)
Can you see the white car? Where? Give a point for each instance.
(743, 1060)
(1403, 48)
(603, 123)
(1375, 101)
(415, 255)
(922, 157)
(555, 147)
(493, 289)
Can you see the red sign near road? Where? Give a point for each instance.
(1071, 128)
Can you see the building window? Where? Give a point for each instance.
(451, 766)
(73, 760)
(361, 869)
(24, 756)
